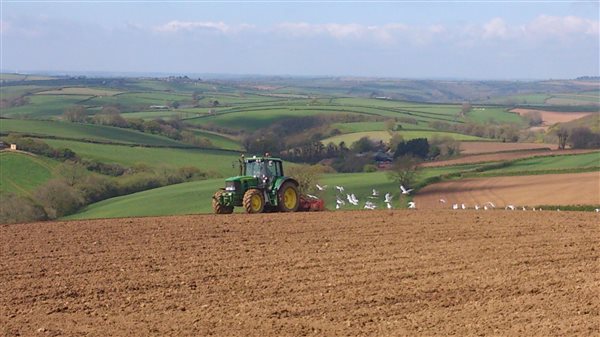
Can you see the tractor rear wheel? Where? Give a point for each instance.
(288, 197)
(218, 207)
(254, 201)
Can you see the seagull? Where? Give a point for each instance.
(388, 198)
(476, 207)
(337, 206)
(511, 207)
(442, 201)
(321, 188)
(340, 202)
(534, 209)
(389, 206)
(354, 198)
(312, 196)
(597, 210)
(491, 204)
(485, 208)
(370, 205)
(463, 206)
(404, 190)
(340, 188)
(412, 205)
(375, 193)
(455, 206)
(524, 208)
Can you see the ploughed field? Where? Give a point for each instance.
(367, 273)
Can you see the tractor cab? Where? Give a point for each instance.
(266, 170)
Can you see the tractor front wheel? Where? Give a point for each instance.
(218, 207)
(254, 202)
(288, 197)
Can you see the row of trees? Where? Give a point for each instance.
(76, 187)
(172, 128)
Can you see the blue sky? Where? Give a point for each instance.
(426, 39)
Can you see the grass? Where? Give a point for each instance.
(81, 91)
(219, 141)
(350, 138)
(195, 197)
(547, 164)
(84, 132)
(493, 115)
(22, 173)
(216, 161)
(44, 106)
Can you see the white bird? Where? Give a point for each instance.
(312, 196)
(485, 208)
(597, 210)
(463, 206)
(340, 188)
(412, 205)
(388, 198)
(337, 206)
(370, 205)
(455, 206)
(354, 198)
(534, 209)
(389, 206)
(375, 193)
(491, 204)
(524, 208)
(321, 188)
(442, 201)
(558, 209)
(404, 190)
(340, 202)
(511, 207)
(476, 207)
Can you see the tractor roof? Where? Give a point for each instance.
(253, 158)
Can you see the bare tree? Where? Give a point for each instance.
(75, 113)
(563, 135)
(404, 170)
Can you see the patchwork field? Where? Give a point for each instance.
(409, 273)
(502, 156)
(533, 190)
(487, 147)
(552, 117)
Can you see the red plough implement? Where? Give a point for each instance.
(308, 204)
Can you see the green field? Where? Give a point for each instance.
(385, 136)
(195, 197)
(23, 173)
(549, 163)
(208, 160)
(44, 106)
(493, 115)
(84, 132)
(219, 141)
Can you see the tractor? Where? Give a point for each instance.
(261, 187)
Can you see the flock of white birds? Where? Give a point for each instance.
(342, 197)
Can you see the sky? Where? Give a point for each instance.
(401, 39)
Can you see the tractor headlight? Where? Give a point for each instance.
(230, 186)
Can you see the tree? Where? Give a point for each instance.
(563, 134)
(534, 118)
(465, 108)
(75, 113)
(583, 138)
(363, 145)
(418, 147)
(58, 198)
(72, 173)
(404, 170)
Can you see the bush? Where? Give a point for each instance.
(307, 177)
(58, 198)
(370, 168)
(16, 209)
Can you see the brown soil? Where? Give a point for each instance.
(553, 117)
(533, 190)
(502, 156)
(489, 147)
(370, 273)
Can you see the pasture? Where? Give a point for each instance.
(23, 173)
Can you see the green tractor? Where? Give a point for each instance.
(260, 187)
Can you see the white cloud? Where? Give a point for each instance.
(545, 25)
(221, 27)
(495, 28)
